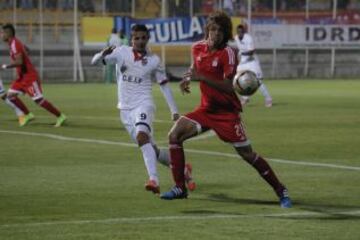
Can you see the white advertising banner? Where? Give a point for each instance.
(305, 36)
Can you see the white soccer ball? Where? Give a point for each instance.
(246, 83)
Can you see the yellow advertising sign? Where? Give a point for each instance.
(96, 30)
(235, 22)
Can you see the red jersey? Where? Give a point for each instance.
(216, 66)
(27, 70)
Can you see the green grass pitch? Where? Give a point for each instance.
(86, 180)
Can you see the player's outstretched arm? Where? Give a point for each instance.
(166, 91)
(232, 43)
(98, 57)
(18, 61)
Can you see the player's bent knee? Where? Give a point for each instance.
(38, 100)
(142, 138)
(174, 137)
(11, 95)
(182, 130)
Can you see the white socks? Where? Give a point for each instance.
(16, 109)
(264, 91)
(149, 157)
(164, 157)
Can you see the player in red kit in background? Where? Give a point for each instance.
(28, 79)
(215, 66)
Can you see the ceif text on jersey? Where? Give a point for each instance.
(133, 79)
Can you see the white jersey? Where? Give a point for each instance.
(134, 77)
(246, 44)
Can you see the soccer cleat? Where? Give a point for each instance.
(268, 103)
(60, 120)
(285, 201)
(152, 186)
(174, 193)
(21, 119)
(188, 178)
(25, 119)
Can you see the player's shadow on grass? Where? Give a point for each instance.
(329, 211)
(220, 197)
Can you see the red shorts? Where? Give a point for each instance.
(228, 126)
(29, 85)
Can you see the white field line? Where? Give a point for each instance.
(211, 153)
(70, 139)
(354, 213)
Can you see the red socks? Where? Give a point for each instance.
(267, 174)
(177, 164)
(48, 106)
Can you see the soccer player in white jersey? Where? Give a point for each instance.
(136, 66)
(248, 60)
(20, 114)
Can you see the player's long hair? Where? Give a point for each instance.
(224, 21)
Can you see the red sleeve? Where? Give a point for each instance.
(16, 48)
(229, 61)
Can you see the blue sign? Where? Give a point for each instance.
(182, 30)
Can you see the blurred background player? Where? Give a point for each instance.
(249, 61)
(136, 67)
(28, 80)
(3, 96)
(215, 66)
(123, 38)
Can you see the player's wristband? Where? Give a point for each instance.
(4, 66)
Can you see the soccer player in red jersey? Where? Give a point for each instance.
(215, 66)
(28, 80)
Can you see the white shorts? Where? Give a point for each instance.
(253, 66)
(138, 119)
(2, 89)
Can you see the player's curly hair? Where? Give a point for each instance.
(224, 21)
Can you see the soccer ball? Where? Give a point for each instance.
(246, 83)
